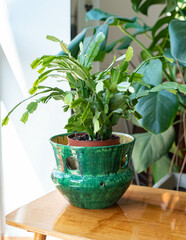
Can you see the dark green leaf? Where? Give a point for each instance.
(161, 168)
(97, 14)
(149, 148)
(125, 43)
(160, 23)
(158, 110)
(168, 54)
(177, 31)
(152, 72)
(76, 103)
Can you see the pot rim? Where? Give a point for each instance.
(115, 133)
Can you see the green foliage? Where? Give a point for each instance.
(161, 168)
(177, 30)
(98, 100)
(149, 148)
(158, 110)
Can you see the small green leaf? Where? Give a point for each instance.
(169, 59)
(64, 47)
(52, 38)
(5, 121)
(99, 87)
(35, 63)
(129, 54)
(68, 98)
(96, 126)
(76, 103)
(85, 113)
(99, 37)
(32, 90)
(24, 117)
(32, 107)
(123, 86)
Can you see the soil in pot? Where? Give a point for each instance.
(82, 139)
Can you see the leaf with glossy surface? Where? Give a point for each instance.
(152, 72)
(161, 168)
(149, 148)
(97, 14)
(177, 31)
(158, 110)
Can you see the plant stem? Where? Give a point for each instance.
(136, 40)
(145, 49)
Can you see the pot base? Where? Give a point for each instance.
(93, 192)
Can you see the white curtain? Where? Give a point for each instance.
(27, 160)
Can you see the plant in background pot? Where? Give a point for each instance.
(90, 176)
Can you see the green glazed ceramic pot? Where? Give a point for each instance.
(92, 177)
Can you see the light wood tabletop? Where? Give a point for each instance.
(142, 213)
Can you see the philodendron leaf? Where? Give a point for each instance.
(24, 117)
(152, 72)
(158, 110)
(149, 148)
(161, 168)
(177, 31)
(99, 15)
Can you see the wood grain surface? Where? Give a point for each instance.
(143, 213)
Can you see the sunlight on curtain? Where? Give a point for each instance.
(27, 158)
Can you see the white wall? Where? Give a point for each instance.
(27, 157)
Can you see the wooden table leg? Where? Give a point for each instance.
(39, 236)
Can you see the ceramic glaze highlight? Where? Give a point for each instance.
(92, 177)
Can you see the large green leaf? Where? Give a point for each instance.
(149, 148)
(158, 110)
(152, 71)
(177, 31)
(161, 168)
(168, 54)
(97, 14)
(143, 6)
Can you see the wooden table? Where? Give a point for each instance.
(142, 213)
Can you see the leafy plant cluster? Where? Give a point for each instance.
(98, 100)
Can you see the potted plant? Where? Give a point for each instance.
(90, 176)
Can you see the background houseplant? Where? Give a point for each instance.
(159, 44)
